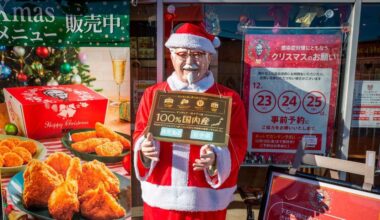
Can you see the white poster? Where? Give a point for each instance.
(289, 104)
(366, 104)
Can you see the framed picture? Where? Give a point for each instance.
(305, 196)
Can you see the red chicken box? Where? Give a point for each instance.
(42, 112)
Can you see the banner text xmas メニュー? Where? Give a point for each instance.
(53, 23)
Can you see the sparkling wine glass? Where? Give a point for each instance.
(119, 62)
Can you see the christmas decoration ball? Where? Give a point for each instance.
(37, 81)
(19, 51)
(52, 82)
(82, 57)
(76, 79)
(5, 72)
(10, 129)
(65, 68)
(42, 52)
(329, 13)
(36, 65)
(171, 9)
(22, 77)
(2, 48)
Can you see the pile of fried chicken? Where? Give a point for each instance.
(65, 187)
(15, 152)
(103, 141)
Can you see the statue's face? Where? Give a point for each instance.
(56, 93)
(190, 65)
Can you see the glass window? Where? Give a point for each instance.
(365, 125)
(227, 22)
(143, 29)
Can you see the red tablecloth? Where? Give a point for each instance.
(55, 145)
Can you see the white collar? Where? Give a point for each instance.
(202, 85)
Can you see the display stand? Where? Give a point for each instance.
(366, 169)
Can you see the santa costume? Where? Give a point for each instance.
(171, 189)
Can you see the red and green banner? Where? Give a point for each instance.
(64, 23)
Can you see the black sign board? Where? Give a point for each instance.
(188, 117)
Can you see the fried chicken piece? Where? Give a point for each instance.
(81, 136)
(60, 162)
(88, 146)
(98, 204)
(94, 173)
(23, 153)
(75, 169)
(12, 159)
(4, 149)
(1, 161)
(31, 146)
(103, 131)
(63, 201)
(40, 180)
(109, 149)
(16, 141)
(7, 143)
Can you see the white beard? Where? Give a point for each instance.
(192, 68)
(190, 78)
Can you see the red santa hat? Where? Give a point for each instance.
(193, 36)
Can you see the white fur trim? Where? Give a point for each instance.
(136, 154)
(223, 165)
(180, 164)
(186, 198)
(190, 41)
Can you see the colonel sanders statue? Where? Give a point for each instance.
(186, 181)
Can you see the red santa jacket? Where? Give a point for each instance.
(171, 183)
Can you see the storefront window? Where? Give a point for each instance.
(227, 21)
(281, 26)
(143, 68)
(365, 125)
(143, 50)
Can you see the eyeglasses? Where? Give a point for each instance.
(182, 55)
